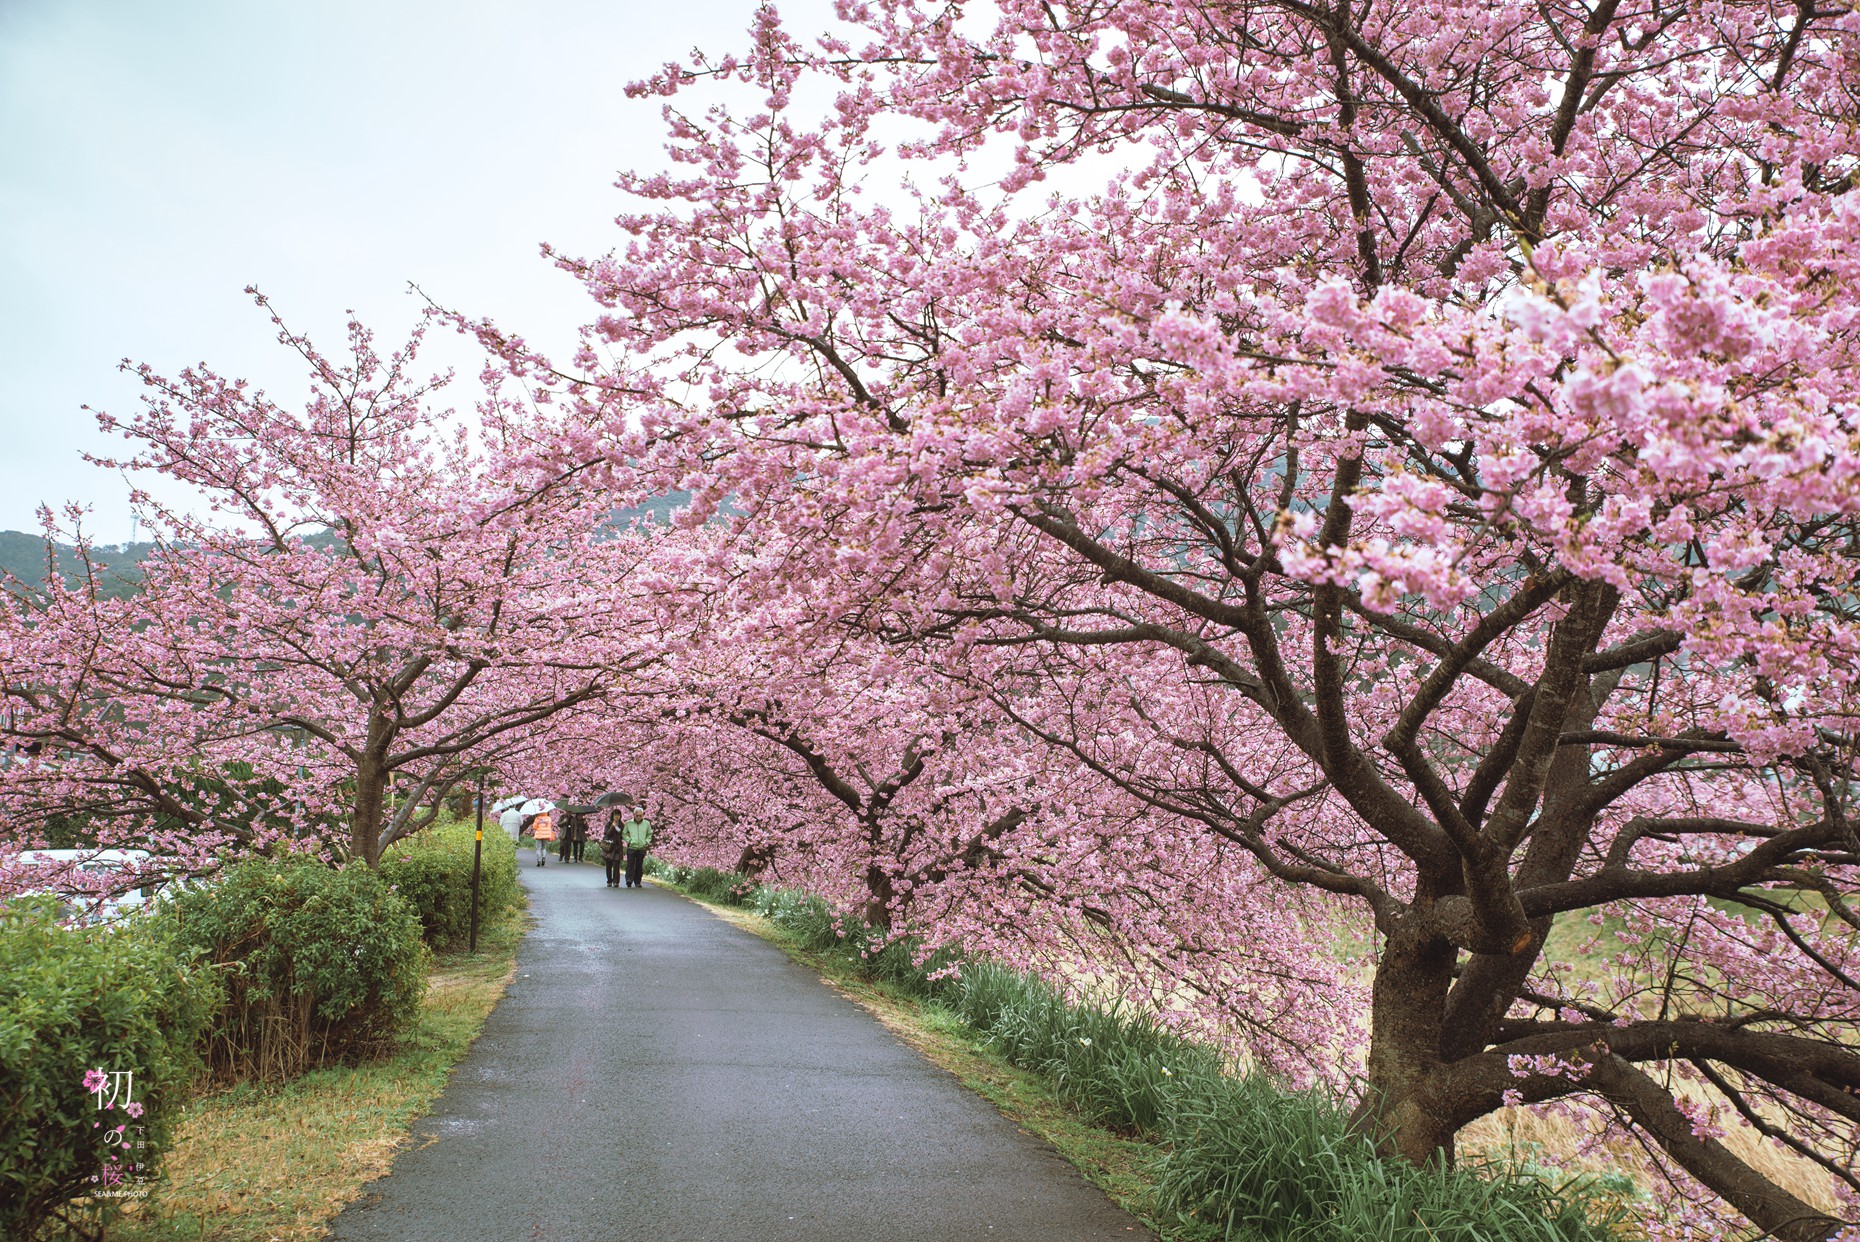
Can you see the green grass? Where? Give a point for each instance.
(254, 1164)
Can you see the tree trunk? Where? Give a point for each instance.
(1409, 998)
(879, 896)
(366, 813)
(756, 859)
(366, 818)
(1412, 1110)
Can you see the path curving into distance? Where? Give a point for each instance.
(657, 1075)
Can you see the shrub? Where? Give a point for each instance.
(671, 873)
(117, 998)
(730, 887)
(431, 870)
(808, 918)
(320, 965)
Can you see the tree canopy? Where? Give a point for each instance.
(1181, 483)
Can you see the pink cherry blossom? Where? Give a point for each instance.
(1399, 464)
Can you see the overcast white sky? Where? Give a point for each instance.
(157, 158)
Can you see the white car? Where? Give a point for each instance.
(87, 876)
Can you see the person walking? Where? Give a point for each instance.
(543, 829)
(577, 836)
(638, 833)
(613, 850)
(511, 820)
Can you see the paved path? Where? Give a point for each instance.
(657, 1075)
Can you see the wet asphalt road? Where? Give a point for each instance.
(657, 1075)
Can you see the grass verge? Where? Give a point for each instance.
(275, 1164)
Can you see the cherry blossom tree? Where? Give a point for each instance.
(1435, 422)
(378, 598)
(803, 751)
(909, 772)
(855, 751)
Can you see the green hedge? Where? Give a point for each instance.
(320, 965)
(432, 871)
(118, 999)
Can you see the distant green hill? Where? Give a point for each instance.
(654, 512)
(119, 568)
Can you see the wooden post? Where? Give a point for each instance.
(477, 864)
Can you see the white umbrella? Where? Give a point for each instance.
(536, 806)
(504, 804)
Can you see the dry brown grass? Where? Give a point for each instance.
(1560, 1142)
(1566, 1143)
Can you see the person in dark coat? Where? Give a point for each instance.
(613, 849)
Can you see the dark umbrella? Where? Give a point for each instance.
(599, 804)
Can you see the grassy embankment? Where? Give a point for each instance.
(275, 1164)
(1556, 1142)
